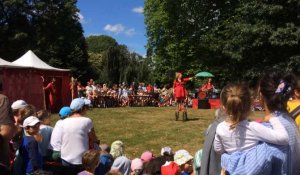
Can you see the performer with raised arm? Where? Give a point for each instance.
(51, 88)
(180, 94)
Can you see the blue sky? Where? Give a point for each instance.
(120, 19)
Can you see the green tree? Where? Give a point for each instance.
(234, 39)
(113, 63)
(50, 28)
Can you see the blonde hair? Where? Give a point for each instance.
(177, 75)
(236, 100)
(90, 159)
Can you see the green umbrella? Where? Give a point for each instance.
(204, 74)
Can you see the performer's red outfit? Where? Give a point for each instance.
(179, 89)
(52, 90)
(207, 86)
(180, 94)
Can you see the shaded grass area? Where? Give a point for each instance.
(151, 128)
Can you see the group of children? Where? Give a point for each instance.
(36, 141)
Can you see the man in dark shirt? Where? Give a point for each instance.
(7, 131)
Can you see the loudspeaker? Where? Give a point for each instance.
(203, 104)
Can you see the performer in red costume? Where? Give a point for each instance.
(206, 89)
(207, 86)
(180, 94)
(51, 88)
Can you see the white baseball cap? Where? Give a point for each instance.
(19, 104)
(30, 121)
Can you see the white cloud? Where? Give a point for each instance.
(116, 29)
(81, 17)
(119, 29)
(138, 9)
(130, 32)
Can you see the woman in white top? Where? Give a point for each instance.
(236, 133)
(78, 134)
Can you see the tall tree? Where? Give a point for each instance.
(50, 28)
(222, 36)
(114, 63)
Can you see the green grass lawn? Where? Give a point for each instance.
(151, 128)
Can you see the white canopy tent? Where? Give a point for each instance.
(29, 59)
(4, 63)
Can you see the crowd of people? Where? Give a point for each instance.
(233, 144)
(121, 95)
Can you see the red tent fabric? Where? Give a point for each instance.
(26, 82)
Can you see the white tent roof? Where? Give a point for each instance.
(4, 63)
(29, 59)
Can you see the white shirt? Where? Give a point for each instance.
(75, 139)
(247, 134)
(55, 141)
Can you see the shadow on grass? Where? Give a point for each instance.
(189, 119)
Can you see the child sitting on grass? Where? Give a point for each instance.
(45, 130)
(236, 133)
(32, 159)
(90, 162)
(55, 141)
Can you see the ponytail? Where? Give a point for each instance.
(236, 100)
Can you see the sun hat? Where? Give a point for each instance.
(30, 121)
(117, 149)
(19, 104)
(182, 156)
(65, 112)
(166, 151)
(147, 156)
(136, 164)
(77, 104)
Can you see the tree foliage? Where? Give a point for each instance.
(234, 39)
(114, 63)
(51, 29)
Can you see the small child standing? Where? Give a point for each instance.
(32, 159)
(236, 133)
(90, 161)
(45, 130)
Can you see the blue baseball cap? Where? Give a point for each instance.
(78, 103)
(65, 112)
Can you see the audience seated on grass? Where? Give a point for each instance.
(90, 160)
(45, 131)
(77, 133)
(136, 166)
(121, 162)
(106, 160)
(185, 161)
(55, 141)
(32, 159)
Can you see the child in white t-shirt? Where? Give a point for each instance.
(236, 133)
